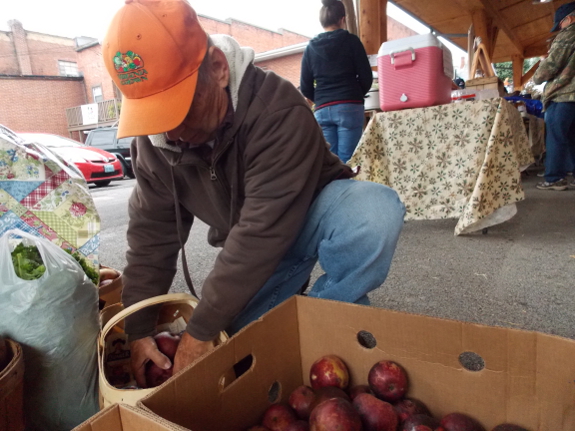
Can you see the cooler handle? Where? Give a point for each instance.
(393, 53)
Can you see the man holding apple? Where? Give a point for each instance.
(237, 147)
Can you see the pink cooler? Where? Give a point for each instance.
(414, 72)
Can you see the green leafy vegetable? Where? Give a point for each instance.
(27, 262)
(90, 272)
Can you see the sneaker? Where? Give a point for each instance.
(557, 185)
(541, 174)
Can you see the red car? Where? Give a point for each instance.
(97, 166)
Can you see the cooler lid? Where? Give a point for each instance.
(415, 42)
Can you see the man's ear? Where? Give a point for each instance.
(220, 66)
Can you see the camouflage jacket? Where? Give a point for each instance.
(558, 69)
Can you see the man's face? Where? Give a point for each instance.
(208, 108)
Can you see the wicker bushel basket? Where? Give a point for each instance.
(12, 390)
(111, 293)
(115, 381)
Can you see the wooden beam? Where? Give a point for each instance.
(529, 74)
(536, 50)
(470, 50)
(382, 22)
(493, 10)
(517, 72)
(370, 23)
(481, 24)
(494, 36)
(350, 16)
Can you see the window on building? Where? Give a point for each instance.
(68, 68)
(97, 94)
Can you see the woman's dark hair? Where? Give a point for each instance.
(331, 12)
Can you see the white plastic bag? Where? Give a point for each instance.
(55, 319)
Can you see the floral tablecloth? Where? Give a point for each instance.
(461, 160)
(43, 195)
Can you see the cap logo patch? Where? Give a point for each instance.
(129, 67)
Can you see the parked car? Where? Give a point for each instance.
(106, 139)
(97, 166)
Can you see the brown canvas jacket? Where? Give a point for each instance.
(253, 190)
(558, 69)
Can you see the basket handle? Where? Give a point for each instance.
(154, 300)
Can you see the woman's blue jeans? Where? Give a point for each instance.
(559, 140)
(352, 228)
(342, 127)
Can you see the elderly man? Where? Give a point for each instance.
(558, 70)
(237, 147)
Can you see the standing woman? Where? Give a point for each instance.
(336, 75)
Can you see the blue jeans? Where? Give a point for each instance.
(559, 140)
(342, 127)
(352, 228)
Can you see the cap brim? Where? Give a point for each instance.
(158, 113)
(555, 27)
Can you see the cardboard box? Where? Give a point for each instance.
(122, 417)
(493, 83)
(528, 377)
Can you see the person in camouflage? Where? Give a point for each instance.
(558, 70)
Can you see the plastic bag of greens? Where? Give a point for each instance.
(50, 307)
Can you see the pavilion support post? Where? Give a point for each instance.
(517, 62)
(470, 49)
(483, 27)
(351, 17)
(372, 24)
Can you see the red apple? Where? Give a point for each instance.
(388, 381)
(167, 343)
(301, 399)
(460, 422)
(359, 389)
(409, 407)
(335, 414)
(329, 370)
(416, 422)
(155, 375)
(298, 426)
(278, 416)
(508, 427)
(376, 415)
(326, 393)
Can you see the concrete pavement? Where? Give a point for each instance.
(520, 275)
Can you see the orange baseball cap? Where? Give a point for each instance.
(153, 50)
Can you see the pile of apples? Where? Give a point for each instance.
(381, 405)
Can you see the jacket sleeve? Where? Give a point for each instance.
(283, 164)
(306, 78)
(364, 72)
(555, 62)
(153, 243)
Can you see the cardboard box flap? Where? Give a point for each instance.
(209, 385)
(122, 417)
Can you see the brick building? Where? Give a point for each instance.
(45, 79)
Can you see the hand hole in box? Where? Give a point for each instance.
(234, 373)
(275, 392)
(471, 361)
(366, 339)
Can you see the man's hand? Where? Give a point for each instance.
(189, 350)
(142, 351)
